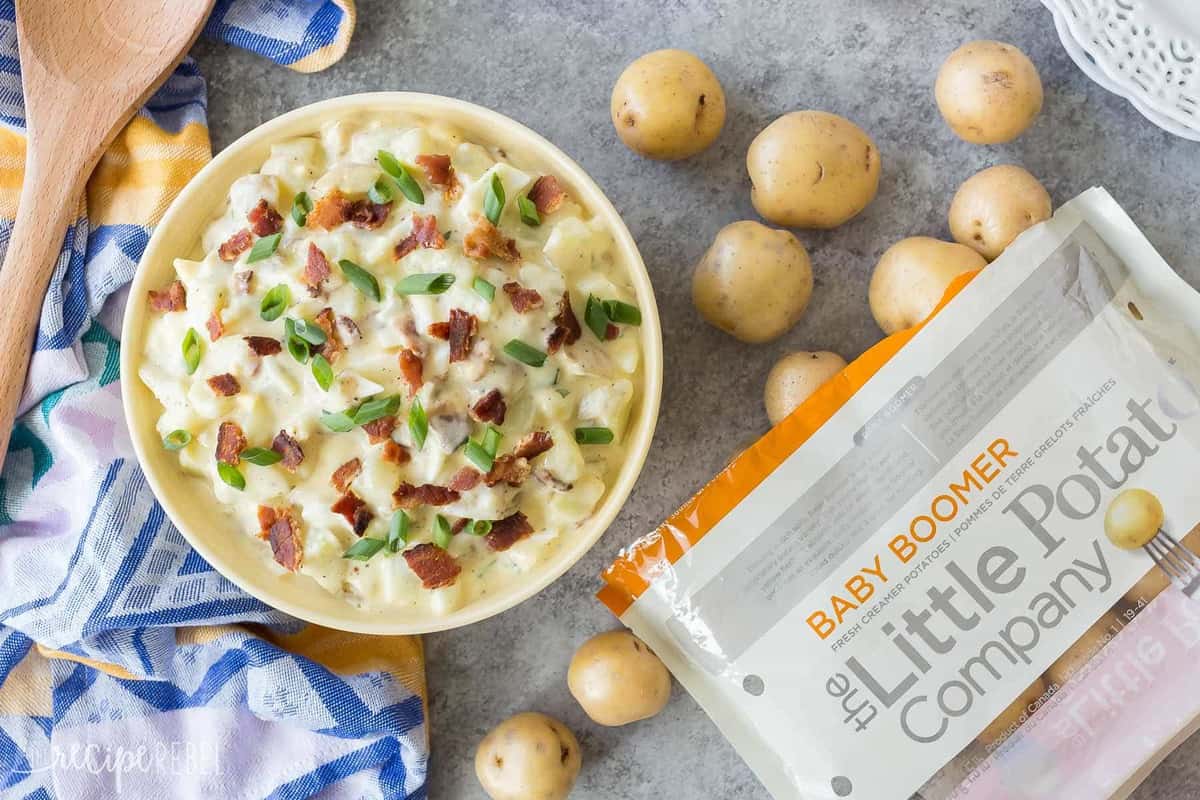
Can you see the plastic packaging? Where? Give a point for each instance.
(911, 587)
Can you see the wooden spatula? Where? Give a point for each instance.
(86, 67)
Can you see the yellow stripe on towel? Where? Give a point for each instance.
(330, 53)
(111, 669)
(28, 690)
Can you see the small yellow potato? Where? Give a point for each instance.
(528, 757)
(999, 728)
(988, 92)
(795, 377)
(911, 277)
(812, 169)
(668, 105)
(618, 679)
(1083, 650)
(995, 206)
(1133, 518)
(753, 282)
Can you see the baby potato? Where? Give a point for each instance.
(911, 277)
(753, 282)
(988, 92)
(1133, 518)
(528, 757)
(812, 169)
(618, 679)
(668, 105)
(996, 205)
(796, 376)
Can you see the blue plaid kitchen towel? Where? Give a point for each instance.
(128, 667)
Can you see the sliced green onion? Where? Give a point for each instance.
(338, 422)
(296, 347)
(408, 186)
(377, 408)
(261, 456)
(264, 248)
(231, 475)
(480, 527)
(301, 206)
(426, 283)
(525, 353)
(363, 281)
(596, 318)
(491, 441)
(275, 302)
(493, 200)
(398, 531)
(593, 436)
(478, 456)
(484, 289)
(193, 349)
(529, 212)
(322, 373)
(177, 440)
(418, 423)
(381, 192)
(364, 549)
(441, 532)
(310, 332)
(622, 313)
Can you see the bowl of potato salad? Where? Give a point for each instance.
(392, 363)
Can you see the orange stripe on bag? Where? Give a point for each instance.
(652, 556)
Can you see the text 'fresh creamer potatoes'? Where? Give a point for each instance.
(912, 587)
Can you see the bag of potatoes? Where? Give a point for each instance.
(937, 577)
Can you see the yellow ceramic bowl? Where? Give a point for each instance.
(189, 502)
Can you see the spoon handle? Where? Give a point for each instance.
(49, 202)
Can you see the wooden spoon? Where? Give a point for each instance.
(86, 67)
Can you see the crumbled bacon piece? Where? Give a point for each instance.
(508, 531)
(316, 269)
(433, 565)
(490, 408)
(462, 330)
(266, 518)
(173, 299)
(285, 542)
(547, 194)
(411, 369)
(509, 469)
(553, 481)
(263, 345)
(355, 511)
(533, 444)
(214, 325)
(611, 332)
(566, 326)
(380, 430)
(332, 348)
(439, 330)
(523, 300)
(230, 443)
(349, 328)
(235, 245)
(344, 475)
(395, 453)
(289, 448)
(335, 208)
(458, 526)
(440, 172)
(485, 241)
(264, 220)
(224, 384)
(466, 479)
(425, 233)
(243, 281)
(428, 494)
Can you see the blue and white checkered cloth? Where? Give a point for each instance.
(128, 667)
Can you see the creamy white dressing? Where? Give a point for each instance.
(590, 383)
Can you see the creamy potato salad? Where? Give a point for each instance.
(404, 362)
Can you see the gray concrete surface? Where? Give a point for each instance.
(552, 66)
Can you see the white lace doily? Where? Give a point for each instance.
(1145, 50)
